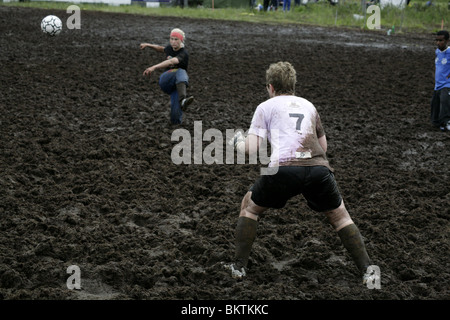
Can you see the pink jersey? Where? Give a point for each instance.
(292, 125)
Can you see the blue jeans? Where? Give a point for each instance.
(168, 82)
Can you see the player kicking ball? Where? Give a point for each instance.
(299, 155)
(175, 78)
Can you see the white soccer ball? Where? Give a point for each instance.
(51, 25)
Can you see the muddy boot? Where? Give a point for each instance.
(184, 100)
(352, 240)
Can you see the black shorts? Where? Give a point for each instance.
(316, 183)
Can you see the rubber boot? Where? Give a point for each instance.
(352, 240)
(184, 100)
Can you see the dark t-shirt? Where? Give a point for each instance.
(181, 54)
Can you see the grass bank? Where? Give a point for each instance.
(418, 16)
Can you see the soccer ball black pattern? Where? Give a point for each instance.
(51, 25)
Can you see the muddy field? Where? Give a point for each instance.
(87, 179)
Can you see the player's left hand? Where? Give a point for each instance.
(237, 139)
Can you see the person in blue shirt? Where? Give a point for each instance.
(440, 102)
(175, 79)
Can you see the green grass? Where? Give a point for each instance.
(417, 17)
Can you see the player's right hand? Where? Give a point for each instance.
(148, 71)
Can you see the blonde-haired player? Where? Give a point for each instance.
(299, 155)
(175, 79)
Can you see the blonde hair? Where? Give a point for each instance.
(180, 32)
(282, 76)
